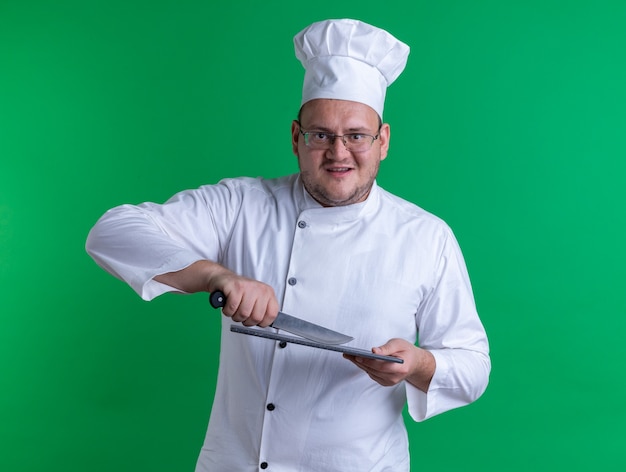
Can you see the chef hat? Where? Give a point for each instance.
(349, 60)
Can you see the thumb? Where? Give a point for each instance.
(384, 350)
(393, 347)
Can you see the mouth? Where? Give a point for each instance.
(338, 170)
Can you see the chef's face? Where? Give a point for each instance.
(337, 176)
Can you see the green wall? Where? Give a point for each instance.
(509, 122)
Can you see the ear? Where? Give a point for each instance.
(384, 136)
(295, 136)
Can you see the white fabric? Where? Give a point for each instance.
(349, 60)
(376, 270)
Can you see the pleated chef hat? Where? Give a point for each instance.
(349, 60)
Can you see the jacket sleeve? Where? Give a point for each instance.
(135, 243)
(449, 327)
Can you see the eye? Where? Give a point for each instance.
(319, 136)
(356, 137)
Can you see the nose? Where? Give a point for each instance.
(337, 147)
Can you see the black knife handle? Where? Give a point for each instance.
(217, 299)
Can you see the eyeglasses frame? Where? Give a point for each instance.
(332, 137)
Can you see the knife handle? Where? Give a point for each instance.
(217, 299)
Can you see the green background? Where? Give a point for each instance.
(509, 122)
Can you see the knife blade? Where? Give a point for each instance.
(294, 325)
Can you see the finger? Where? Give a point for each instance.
(384, 377)
(235, 306)
(246, 309)
(232, 304)
(362, 363)
(271, 311)
(388, 349)
(256, 315)
(264, 310)
(384, 381)
(373, 374)
(385, 373)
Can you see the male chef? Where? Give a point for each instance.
(329, 245)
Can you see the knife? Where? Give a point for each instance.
(294, 325)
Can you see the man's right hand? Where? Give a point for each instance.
(248, 301)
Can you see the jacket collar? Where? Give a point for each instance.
(306, 203)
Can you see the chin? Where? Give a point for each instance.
(342, 200)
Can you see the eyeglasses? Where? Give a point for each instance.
(355, 142)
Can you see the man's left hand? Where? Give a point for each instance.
(418, 367)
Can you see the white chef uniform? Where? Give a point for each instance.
(376, 270)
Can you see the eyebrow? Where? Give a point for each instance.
(360, 129)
